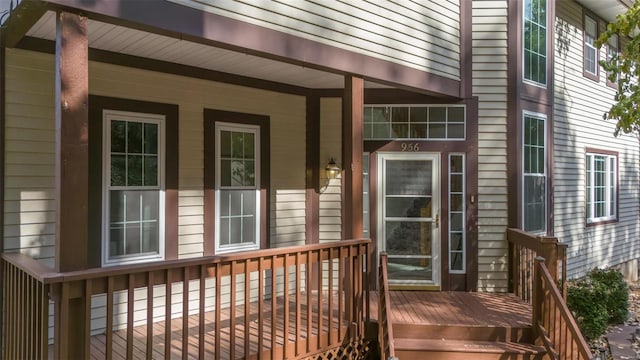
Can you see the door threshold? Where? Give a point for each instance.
(416, 287)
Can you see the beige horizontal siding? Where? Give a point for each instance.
(489, 84)
(330, 221)
(420, 34)
(578, 124)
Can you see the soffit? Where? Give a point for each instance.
(606, 9)
(115, 38)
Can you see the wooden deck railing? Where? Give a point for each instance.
(538, 265)
(523, 250)
(385, 328)
(552, 320)
(297, 301)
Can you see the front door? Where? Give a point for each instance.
(409, 214)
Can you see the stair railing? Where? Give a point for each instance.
(552, 320)
(385, 330)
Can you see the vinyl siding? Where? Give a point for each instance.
(330, 222)
(489, 82)
(420, 34)
(30, 154)
(578, 124)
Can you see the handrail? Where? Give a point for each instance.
(385, 326)
(552, 320)
(316, 293)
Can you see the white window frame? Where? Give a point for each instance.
(524, 49)
(160, 120)
(246, 128)
(609, 185)
(464, 214)
(590, 47)
(542, 117)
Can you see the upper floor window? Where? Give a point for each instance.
(602, 181)
(133, 190)
(535, 41)
(534, 176)
(591, 56)
(612, 51)
(433, 122)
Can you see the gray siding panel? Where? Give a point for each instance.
(421, 34)
(579, 105)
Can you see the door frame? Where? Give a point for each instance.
(437, 241)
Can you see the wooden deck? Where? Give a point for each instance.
(456, 308)
(407, 307)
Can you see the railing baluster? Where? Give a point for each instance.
(298, 302)
(130, 313)
(285, 291)
(274, 303)
(185, 314)
(309, 277)
(201, 322)
(150, 282)
(167, 315)
(261, 275)
(44, 322)
(320, 290)
(109, 331)
(88, 291)
(341, 277)
(232, 308)
(330, 297)
(218, 310)
(247, 309)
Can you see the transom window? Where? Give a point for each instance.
(433, 122)
(590, 50)
(237, 187)
(534, 192)
(601, 187)
(133, 187)
(535, 41)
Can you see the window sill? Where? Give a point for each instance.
(601, 222)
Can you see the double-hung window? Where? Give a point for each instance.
(133, 187)
(590, 50)
(535, 42)
(534, 182)
(237, 187)
(601, 187)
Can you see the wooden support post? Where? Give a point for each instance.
(549, 251)
(72, 174)
(352, 148)
(537, 298)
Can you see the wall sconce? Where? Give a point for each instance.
(332, 169)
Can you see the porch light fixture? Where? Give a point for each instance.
(332, 169)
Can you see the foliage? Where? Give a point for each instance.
(625, 69)
(599, 299)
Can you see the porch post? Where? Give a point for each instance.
(72, 175)
(549, 251)
(352, 118)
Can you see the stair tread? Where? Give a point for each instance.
(466, 346)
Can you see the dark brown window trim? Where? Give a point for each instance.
(212, 116)
(96, 105)
(609, 153)
(595, 77)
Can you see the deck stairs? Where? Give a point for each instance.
(458, 342)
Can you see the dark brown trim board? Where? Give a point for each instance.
(352, 148)
(72, 144)
(3, 123)
(465, 49)
(212, 116)
(191, 24)
(96, 106)
(312, 175)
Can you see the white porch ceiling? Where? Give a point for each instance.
(134, 42)
(607, 9)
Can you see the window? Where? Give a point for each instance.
(535, 41)
(534, 192)
(457, 233)
(590, 50)
(237, 187)
(601, 187)
(612, 52)
(433, 122)
(133, 192)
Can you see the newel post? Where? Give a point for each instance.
(549, 251)
(538, 296)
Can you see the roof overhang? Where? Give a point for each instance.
(607, 9)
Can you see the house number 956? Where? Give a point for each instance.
(410, 147)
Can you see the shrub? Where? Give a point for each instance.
(599, 299)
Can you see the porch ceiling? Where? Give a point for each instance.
(607, 9)
(119, 39)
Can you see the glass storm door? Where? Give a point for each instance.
(409, 216)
